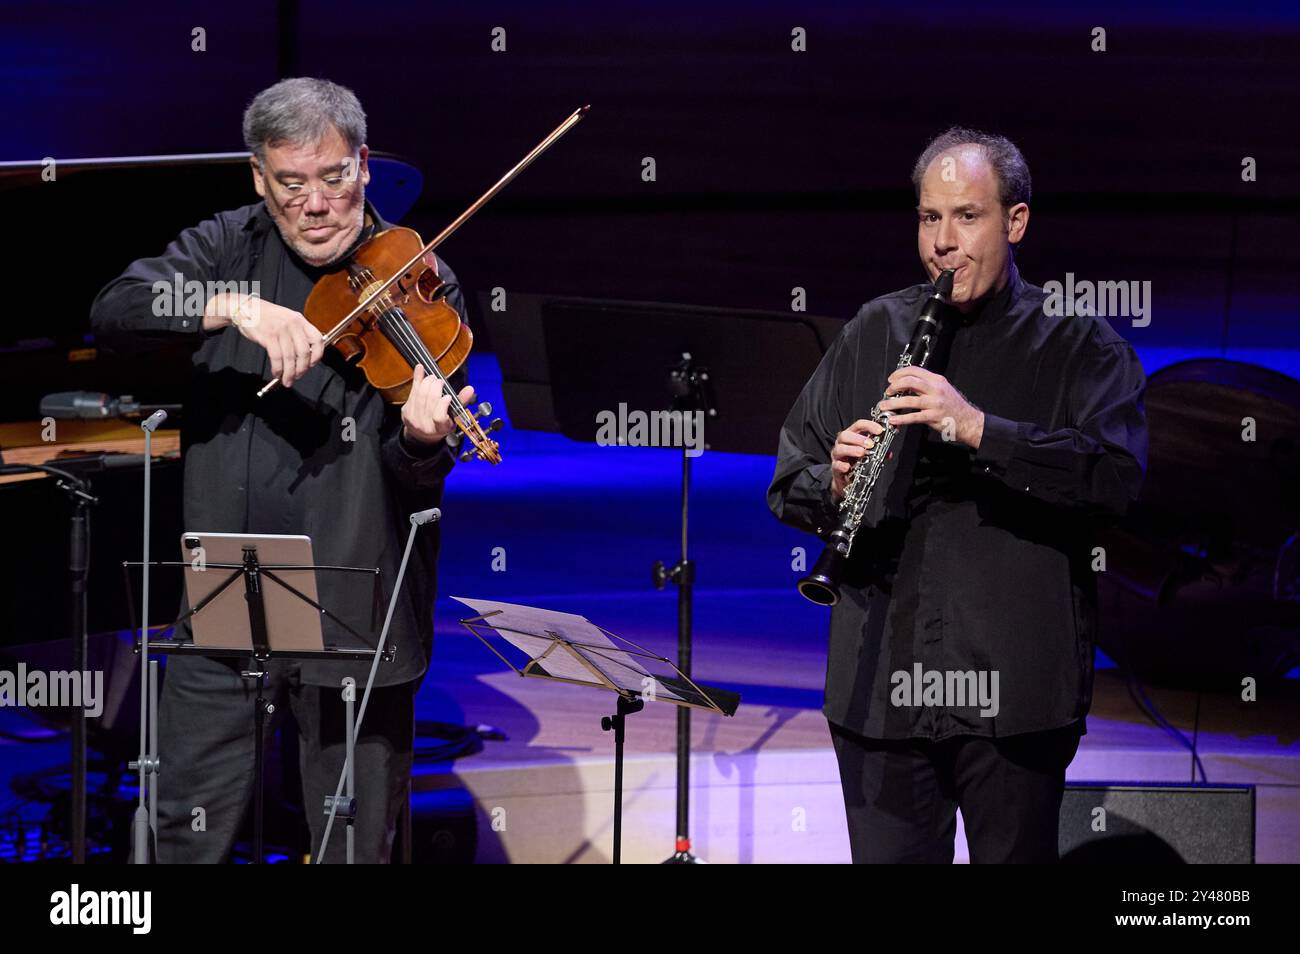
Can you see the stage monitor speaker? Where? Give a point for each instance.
(1123, 823)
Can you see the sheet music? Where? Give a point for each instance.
(517, 623)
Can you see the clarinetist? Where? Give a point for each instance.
(960, 665)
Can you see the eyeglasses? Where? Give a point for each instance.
(293, 194)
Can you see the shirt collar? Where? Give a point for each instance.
(996, 307)
(260, 222)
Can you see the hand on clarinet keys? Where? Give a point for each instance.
(918, 396)
(851, 445)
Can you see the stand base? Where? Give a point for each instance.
(683, 858)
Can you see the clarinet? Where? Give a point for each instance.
(822, 585)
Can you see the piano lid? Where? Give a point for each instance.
(73, 233)
(78, 230)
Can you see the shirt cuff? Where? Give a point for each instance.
(418, 450)
(829, 510)
(206, 333)
(996, 445)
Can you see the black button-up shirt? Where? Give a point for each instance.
(323, 458)
(971, 561)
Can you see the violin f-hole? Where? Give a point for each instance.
(429, 287)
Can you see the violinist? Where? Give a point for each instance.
(323, 455)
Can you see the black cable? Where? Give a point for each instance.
(1138, 694)
(1196, 736)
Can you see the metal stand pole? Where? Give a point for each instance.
(617, 723)
(144, 825)
(692, 394)
(78, 569)
(262, 707)
(684, 577)
(350, 787)
(335, 802)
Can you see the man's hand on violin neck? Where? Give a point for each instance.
(291, 341)
(426, 415)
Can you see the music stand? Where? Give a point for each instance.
(565, 647)
(262, 644)
(742, 369)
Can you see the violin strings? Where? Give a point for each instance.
(409, 343)
(414, 350)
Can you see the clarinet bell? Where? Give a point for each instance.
(822, 585)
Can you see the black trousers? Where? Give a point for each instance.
(901, 796)
(205, 743)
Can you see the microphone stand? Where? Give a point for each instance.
(347, 777)
(144, 824)
(92, 406)
(78, 570)
(692, 393)
(71, 476)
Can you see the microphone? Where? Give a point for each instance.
(115, 461)
(96, 406)
(425, 516)
(154, 419)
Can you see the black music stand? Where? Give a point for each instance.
(264, 648)
(566, 360)
(564, 647)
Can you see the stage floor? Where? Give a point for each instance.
(764, 782)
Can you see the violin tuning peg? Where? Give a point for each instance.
(467, 456)
(483, 410)
(496, 425)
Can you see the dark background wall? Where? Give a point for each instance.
(775, 168)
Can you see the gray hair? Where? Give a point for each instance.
(301, 111)
(1000, 152)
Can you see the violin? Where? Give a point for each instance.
(386, 310)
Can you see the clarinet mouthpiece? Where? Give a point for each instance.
(943, 284)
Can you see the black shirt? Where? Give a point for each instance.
(972, 561)
(323, 458)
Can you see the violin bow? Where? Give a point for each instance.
(553, 137)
